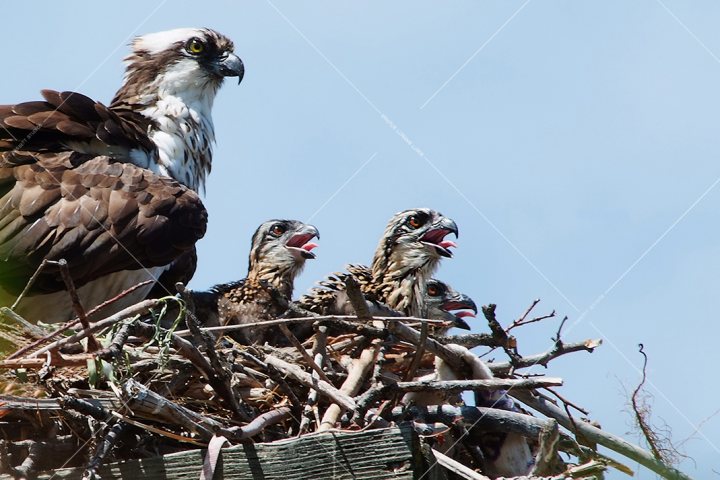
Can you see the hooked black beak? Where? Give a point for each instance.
(300, 243)
(232, 66)
(460, 301)
(435, 236)
(460, 323)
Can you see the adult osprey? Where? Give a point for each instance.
(277, 255)
(408, 254)
(110, 189)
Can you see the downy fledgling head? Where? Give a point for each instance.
(441, 300)
(408, 255)
(278, 253)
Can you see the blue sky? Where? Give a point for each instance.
(564, 148)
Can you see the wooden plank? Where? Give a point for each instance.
(383, 454)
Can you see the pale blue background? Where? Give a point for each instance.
(582, 131)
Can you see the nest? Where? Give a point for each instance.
(150, 380)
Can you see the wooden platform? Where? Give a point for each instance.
(391, 453)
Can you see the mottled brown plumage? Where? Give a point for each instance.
(405, 259)
(278, 254)
(110, 189)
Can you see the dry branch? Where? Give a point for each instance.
(601, 437)
(181, 392)
(306, 379)
(543, 359)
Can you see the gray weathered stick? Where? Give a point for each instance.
(544, 358)
(137, 309)
(92, 343)
(410, 335)
(457, 467)
(306, 379)
(360, 368)
(602, 437)
(546, 457)
(306, 356)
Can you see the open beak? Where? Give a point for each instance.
(232, 66)
(435, 237)
(300, 245)
(464, 304)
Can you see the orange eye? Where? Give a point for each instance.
(432, 290)
(414, 222)
(195, 46)
(278, 230)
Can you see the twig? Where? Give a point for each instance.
(323, 318)
(410, 335)
(114, 350)
(641, 414)
(311, 402)
(605, 439)
(415, 364)
(29, 283)
(500, 333)
(344, 326)
(532, 320)
(546, 457)
(544, 358)
(356, 298)
(275, 376)
(92, 344)
(74, 323)
(29, 465)
(261, 421)
(306, 379)
(567, 402)
(527, 312)
(360, 368)
(457, 467)
(286, 331)
(29, 328)
(159, 431)
(380, 392)
(137, 309)
(116, 432)
(86, 408)
(320, 355)
(558, 339)
(148, 404)
(219, 374)
(521, 321)
(456, 386)
(472, 340)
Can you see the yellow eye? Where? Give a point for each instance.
(195, 46)
(414, 222)
(432, 290)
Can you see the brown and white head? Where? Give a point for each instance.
(171, 79)
(408, 254)
(279, 251)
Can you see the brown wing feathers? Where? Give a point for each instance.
(101, 216)
(65, 116)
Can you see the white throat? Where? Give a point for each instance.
(183, 131)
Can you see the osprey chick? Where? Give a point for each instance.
(441, 300)
(407, 256)
(278, 253)
(110, 189)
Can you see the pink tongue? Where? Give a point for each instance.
(447, 243)
(465, 313)
(309, 246)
